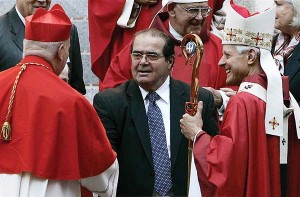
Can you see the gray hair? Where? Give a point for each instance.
(241, 49)
(296, 7)
(168, 48)
(45, 50)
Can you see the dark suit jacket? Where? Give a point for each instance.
(123, 114)
(12, 33)
(292, 70)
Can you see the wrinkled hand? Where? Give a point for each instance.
(191, 125)
(146, 2)
(228, 91)
(217, 96)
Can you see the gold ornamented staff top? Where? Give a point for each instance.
(191, 45)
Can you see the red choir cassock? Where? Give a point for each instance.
(243, 160)
(107, 39)
(56, 133)
(210, 74)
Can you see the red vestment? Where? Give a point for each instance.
(56, 133)
(107, 39)
(243, 160)
(210, 74)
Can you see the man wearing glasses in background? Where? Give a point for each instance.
(182, 17)
(152, 158)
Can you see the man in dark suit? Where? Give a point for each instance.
(286, 52)
(123, 112)
(12, 30)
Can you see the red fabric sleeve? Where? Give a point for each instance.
(102, 19)
(119, 70)
(233, 160)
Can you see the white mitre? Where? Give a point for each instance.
(256, 30)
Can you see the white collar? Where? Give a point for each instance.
(174, 33)
(20, 15)
(163, 91)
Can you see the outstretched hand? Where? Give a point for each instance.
(217, 96)
(218, 100)
(228, 91)
(191, 125)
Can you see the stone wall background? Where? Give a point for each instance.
(259, 5)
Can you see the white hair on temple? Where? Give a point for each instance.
(296, 18)
(243, 49)
(45, 50)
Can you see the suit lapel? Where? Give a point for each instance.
(178, 97)
(138, 112)
(293, 65)
(17, 28)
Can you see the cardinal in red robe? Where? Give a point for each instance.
(52, 141)
(244, 160)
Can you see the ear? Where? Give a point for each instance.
(171, 61)
(60, 52)
(170, 8)
(251, 56)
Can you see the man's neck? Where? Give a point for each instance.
(20, 15)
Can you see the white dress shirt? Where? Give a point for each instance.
(164, 105)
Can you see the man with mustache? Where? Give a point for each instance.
(12, 32)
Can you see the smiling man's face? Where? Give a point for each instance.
(28, 7)
(235, 64)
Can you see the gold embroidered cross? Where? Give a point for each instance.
(257, 38)
(274, 123)
(231, 34)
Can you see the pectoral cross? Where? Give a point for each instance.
(231, 34)
(257, 38)
(274, 123)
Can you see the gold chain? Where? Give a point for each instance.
(6, 128)
(34, 64)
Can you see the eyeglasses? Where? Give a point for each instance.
(193, 12)
(150, 56)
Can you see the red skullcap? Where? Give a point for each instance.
(48, 26)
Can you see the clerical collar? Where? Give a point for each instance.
(174, 33)
(20, 15)
(163, 91)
